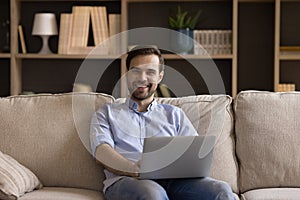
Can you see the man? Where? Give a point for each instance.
(118, 132)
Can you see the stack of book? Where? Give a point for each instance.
(212, 42)
(75, 26)
(286, 87)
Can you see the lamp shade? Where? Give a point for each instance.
(44, 24)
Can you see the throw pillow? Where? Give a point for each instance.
(15, 179)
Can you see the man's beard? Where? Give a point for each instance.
(140, 96)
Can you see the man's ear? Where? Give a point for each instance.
(161, 75)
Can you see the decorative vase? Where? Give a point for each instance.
(182, 41)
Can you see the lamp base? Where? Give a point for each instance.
(45, 49)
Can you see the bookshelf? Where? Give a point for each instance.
(56, 72)
(154, 13)
(287, 43)
(23, 66)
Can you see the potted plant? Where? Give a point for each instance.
(184, 24)
(183, 21)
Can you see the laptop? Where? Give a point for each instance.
(177, 157)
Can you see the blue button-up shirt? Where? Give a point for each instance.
(124, 128)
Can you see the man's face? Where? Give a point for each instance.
(143, 76)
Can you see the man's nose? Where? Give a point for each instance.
(143, 76)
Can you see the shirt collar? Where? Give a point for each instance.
(133, 105)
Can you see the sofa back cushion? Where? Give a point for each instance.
(268, 139)
(212, 114)
(49, 134)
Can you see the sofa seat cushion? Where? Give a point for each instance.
(267, 139)
(212, 114)
(272, 194)
(59, 193)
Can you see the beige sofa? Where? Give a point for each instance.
(257, 149)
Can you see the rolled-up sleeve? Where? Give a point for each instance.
(100, 131)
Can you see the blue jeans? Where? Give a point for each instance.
(183, 189)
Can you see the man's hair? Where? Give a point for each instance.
(145, 50)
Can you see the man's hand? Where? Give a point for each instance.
(115, 162)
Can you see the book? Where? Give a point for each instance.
(114, 21)
(286, 87)
(228, 47)
(99, 24)
(213, 42)
(80, 26)
(95, 17)
(103, 22)
(22, 39)
(65, 31)
(75, 26)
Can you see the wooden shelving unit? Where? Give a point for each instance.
(289, 56)
(281, 56)
(18, 60)
(228, 63)
(128, 23)
(4, 55)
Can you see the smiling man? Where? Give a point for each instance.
(118, 131)
(145, 72)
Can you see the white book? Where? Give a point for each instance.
(220, 42)
(205, 41)
(201, 42)
(196, 42)
(99, 24)
(65, 30)
(210, 42)
(114, 21)
(228, 42)
(80, 27)
(222, 36)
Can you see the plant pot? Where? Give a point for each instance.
(182, 41)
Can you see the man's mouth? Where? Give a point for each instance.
(142, 87)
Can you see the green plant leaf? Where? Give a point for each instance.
(182, 20)
(194, 21)
(172, 22)
(187, 22)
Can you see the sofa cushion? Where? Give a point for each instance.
(267, 139)
(57, 193)
(15, 179)
(212, 114)
(50, 135)
(272, 194)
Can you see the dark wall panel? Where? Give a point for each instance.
(56, 76)
(256, 46)
(4, 77)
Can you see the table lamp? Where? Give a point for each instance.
(44, 25)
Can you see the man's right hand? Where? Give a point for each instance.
(115, 162)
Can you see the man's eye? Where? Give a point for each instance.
(151, 72)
